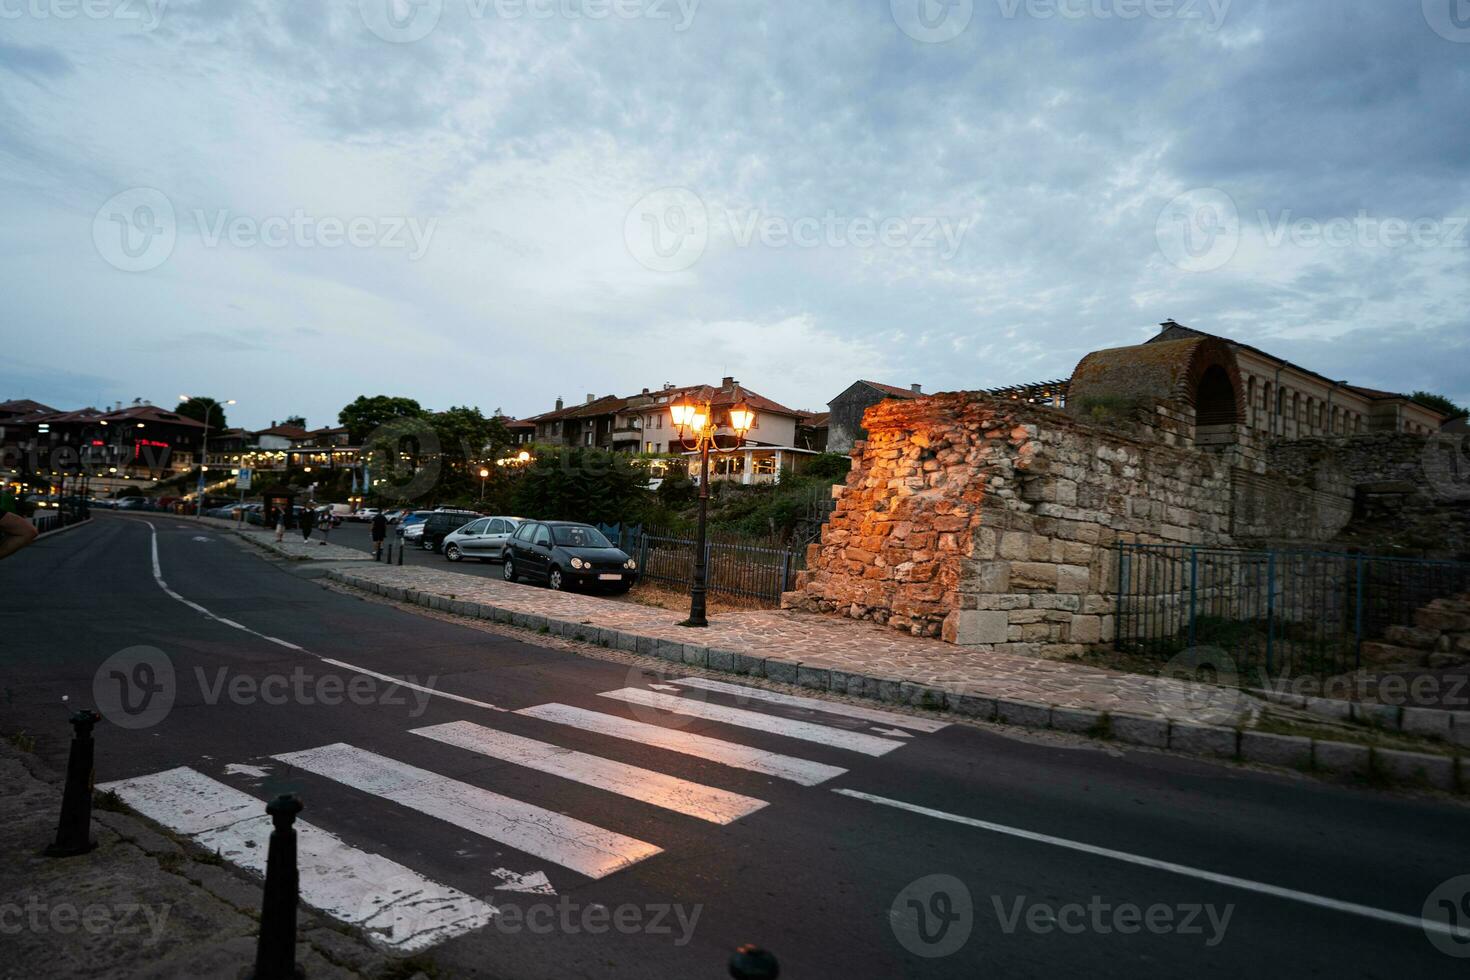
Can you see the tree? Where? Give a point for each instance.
(580, 484)
(368, 413)
(203, 409)
(1440, 404)
(297, 420)
(467, 441)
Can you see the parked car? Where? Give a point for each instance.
(411, 526)
(567, 555)
(439, 525)
(396, 514)
(484, 539)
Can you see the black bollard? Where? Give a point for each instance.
(400, 552)
(753, 963)
(74, 831)
(275, 951)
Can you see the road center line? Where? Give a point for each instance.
(1230, 881)
(158, 577)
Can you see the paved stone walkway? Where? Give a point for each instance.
(291, 546)
(821, 651)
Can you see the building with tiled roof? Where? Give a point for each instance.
(845, 415)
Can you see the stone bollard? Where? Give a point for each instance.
(74, 831)
(275, 950)
(753, 963)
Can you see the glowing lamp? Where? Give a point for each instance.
(682, 412)
(741, 419)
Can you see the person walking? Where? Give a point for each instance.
(280, 525)
(308, 523)
(380, 531)
(326, 524)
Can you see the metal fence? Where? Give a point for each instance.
(1286, 613)
(734, 570)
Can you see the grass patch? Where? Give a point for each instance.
(22, 741)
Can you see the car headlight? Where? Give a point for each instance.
(630, 564)
(578, 563)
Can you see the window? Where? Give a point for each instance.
(543, 536)
(496, 526)
(523, 533)
(475, 527)
(660, 421)
(576, 536)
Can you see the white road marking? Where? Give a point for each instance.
(1229, 881)
(670, 792)
(836, 737)
(158, 577)
(894, 732)
(242, 769)
(412, 686)
(892, 718)
(731, 754)
(551, 836)
(663, 687)
(400, 909)
(532, 883)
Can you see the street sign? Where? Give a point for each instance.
(242, 481)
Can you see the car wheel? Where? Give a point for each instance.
(451, 551)
(510, 571)
(554, 580)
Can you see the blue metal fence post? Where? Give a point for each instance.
(1270, 605)
(1193, 590)
(1358, 619)
(785, 571)
(1123, 570)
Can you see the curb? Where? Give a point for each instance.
(1206, 741)
(62, 530)
(1451, 726)
(282, 552)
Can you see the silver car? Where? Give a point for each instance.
(484, 538)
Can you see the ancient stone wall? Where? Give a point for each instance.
(992, 523)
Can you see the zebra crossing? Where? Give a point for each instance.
(405, 911)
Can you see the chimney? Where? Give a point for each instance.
(591, 398)
(728, 382)
(645, 391)
(917, 389)
(558, 403)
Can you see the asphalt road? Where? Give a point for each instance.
(1056, 856)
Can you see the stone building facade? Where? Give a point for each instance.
(994, 523)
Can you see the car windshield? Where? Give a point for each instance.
(580, 537)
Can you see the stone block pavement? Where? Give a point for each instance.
(807, 649)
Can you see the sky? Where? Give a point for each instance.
(499, 202)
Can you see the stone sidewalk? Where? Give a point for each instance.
(143, 904)
(291, 546)
(864, 660)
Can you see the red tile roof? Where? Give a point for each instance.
(894, 390)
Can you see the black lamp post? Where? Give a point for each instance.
(694, 418)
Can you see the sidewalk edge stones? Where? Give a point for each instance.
(1203, 741)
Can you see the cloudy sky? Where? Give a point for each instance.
(496, 202)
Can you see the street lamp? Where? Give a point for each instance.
(694, 418)
(203, 449)
(484, 475)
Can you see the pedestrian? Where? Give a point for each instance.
(308, 523)
(16, 530)
(326, 523)
(280, 525)
(380, 531)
